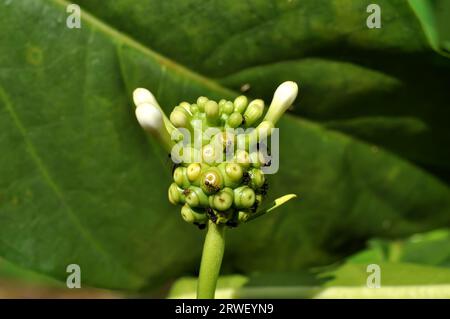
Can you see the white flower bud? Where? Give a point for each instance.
(150, 118)
(141, 96)
(283, 98)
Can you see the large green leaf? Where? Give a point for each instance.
(431, 248)
(385, 85)
(80, 182)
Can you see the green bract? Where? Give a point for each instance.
(218, 175)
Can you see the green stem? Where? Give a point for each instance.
(213, 249)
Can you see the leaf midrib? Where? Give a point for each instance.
(126, 39)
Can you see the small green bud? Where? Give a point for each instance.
(223, 216)
(179, 118)
(192, 216)
(243, 217)
(211, 181)
(228, 107)
(254, 111)
(235, 120)
(240, 103)
(223, 118)
(212, 112)
(187, 107)
(180, 177)
(244, 197)
(201, 101)
(195, 197)
(194, 109)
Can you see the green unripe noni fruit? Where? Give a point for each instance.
(193, 172)
(257, 178)
(232, 174)
(195, 197)
(211, 181)
(180, 177)
(222, 200)
(192, 216)
(175, 194)
(244, 197)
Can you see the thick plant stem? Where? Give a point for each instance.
(213, 249)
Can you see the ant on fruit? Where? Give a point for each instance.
(211, 187)
(211, 214)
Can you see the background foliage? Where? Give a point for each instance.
(365, 147)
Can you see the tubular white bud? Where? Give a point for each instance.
(151, 120)
(149, 117)
(141, 96)
(144, 96)
(283, 98)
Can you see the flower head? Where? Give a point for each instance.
(220, 175)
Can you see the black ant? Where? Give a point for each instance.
(211, 187)
(211, 214)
